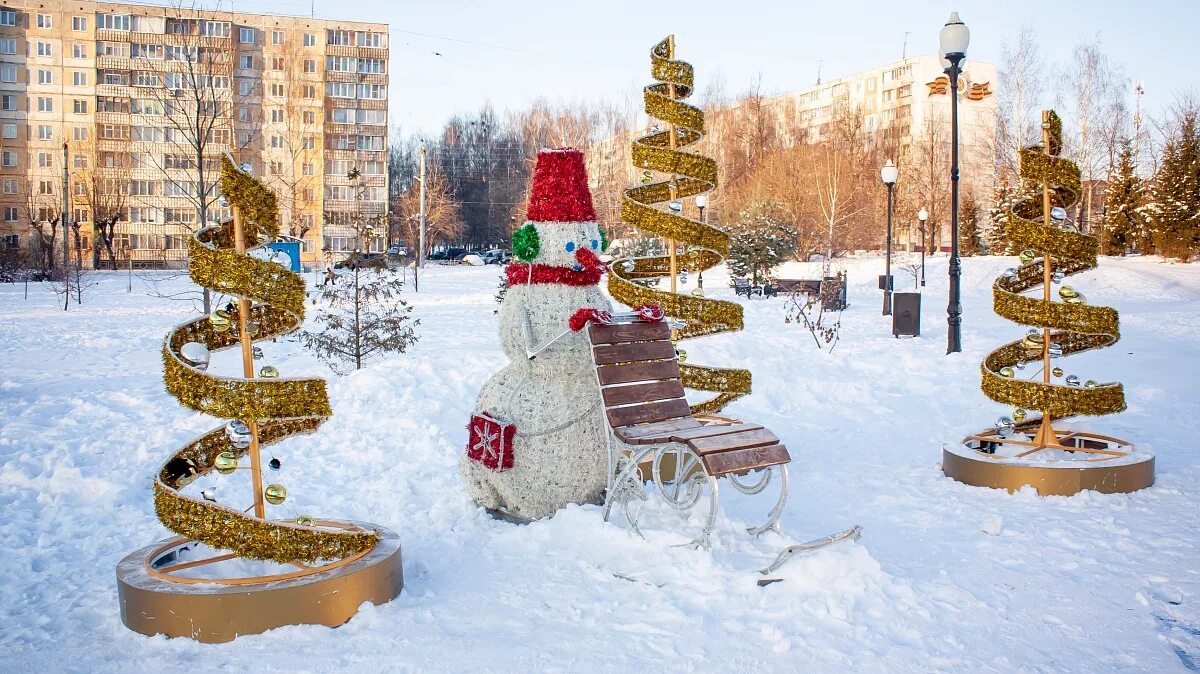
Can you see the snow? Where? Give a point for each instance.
(945, 578)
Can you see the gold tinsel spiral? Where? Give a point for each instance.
(282, 407)
(1076, 327)
(706, 245)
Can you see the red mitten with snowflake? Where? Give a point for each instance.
(649, 313)
(583, 316)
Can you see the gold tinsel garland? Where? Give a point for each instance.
(707, 245)
(1075, 327)
(281, 407)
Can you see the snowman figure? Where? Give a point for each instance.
(538, 437)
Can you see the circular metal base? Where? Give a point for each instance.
(214, 612)
(1064, 477)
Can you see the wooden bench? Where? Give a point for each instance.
(742, 286)
(639, 379)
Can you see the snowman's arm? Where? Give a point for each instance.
(532, 349)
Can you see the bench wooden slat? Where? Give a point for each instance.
(654, 433)
(643, 393)
(629, 332)
(759, 437)
(608, 354)
(646, 412)
(740, 460)
(689, 434)
(630, 372)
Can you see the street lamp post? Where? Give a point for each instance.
(888, 175)
(953, 41)
(922, 216)
(701, 203)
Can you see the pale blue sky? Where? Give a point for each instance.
(570, 50)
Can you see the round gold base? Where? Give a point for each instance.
(1130, 472)
(215, 612)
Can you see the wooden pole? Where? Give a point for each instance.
(1045, 435)
(674, 195)
(239, 246)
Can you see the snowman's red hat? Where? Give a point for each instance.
(560, 188)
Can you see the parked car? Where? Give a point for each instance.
(362, 261)
(496, 256)
(398, 251)
(447, 254)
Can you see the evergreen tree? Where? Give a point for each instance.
(1123, 227)
(968, 226)
(1173, 210)
(1002, 196)
(761, 239)
(361, 316)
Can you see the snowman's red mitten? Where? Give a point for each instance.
(583, 316)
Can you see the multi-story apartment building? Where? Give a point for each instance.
(141, 101)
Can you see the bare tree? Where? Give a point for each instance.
(41, 209)
(1019, 94)
(104, 183)
(292, 134)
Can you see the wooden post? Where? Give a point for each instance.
(674, 195)
(239, 246)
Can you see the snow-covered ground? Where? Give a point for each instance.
(1088, 583)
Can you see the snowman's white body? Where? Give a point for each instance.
(560, 450)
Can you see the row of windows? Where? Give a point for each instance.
(361, 91)
(350, 64)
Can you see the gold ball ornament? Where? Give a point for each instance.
(681, 355)
(1091, 383)
(306, 521)
(1006, 372)
(219, 319)
(252, 328)
(1077, 299)
(1057, 372)
(275, 494)
(1019, 415)
(269, 372)
(697, 292)
(1027, 256)
(1067, 292)
(226, 462)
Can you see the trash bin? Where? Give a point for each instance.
(833, 293)
(906, 314)
(882, 280)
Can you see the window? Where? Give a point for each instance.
(245, 87)
(112, 21)
(277, 90)
(374, 143)
(79, 51)
(277, 37)
(45, 49)
(310, 91)
(372, 91)
(214, 28)
(904, 91)
(113, 132)
(310, 40)
(79, 106)
(8, 130)
(45, 77)
(277, 142)
(45, 132)
(81, 133)
(81, 162)
(138, 214)
(365, 39)
(276, 63)
(8, 102)
(145, 106)
(45, 21)
(10, 212)
(246, 35)
(79, 79)
(145, 79)
(340, 64)
(8, 73)
(308, 169)
(153, 52)
(142, 188)
(8, 17)
(339, 89)
(373, 66)
(8, 158)
(81, 215)
(45, 104)
(185, 215)
(309, 142)
(115, 49)
(177, 189)
(10, 185)
(275, 167)
(243, 114)
(79, 23)
(45, 160)
(310, 65)
(276, 115)
(309, 117)
(146, 134)
(12, 241)
(45, 187)
(8, 45)
(246, 62)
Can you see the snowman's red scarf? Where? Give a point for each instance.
(518, 273)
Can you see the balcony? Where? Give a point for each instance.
(113, 63)
(117, 118)
(119, 90)
(109, 35)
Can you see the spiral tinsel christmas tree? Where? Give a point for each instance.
(265, 410)
(1024, 449)
(687, 174)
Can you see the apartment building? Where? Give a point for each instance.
(139, 102)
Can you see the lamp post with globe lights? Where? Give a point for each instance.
(953, 43)
(888, 175)
(922, 216)
(701, 204)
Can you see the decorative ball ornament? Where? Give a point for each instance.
(1055, 350)
(681, 354)
(1077, 299)
(226, 462)
(1072, 380)
(241, 441)
(195, 354)
(1027, 256)
(683, 276)
(1058, 214)
(220, 320)
(1020, 365)
(306, 521)
(252, 328)
(269, 372)
(628, 265)
(1056, 277)
(256, 353)
(1004, 427)
(1019, 414)
(1032, 341)
(1010, 274)
(275, 464)
(236, 427)
(275, 494)
(1091, 383)
(697, 292)
(647, 176)
(675, 206)
(1067, 292)
(209, 495)
(1057, 372)
(1006, 372)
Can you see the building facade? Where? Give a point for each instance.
(138, 103)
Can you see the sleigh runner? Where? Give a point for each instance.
(650, 422)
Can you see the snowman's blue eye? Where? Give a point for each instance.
(570, 246)
(595, 244)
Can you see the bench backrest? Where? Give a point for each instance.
(638, 373)
(741, 283)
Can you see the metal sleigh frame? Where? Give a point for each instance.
(626, 483)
